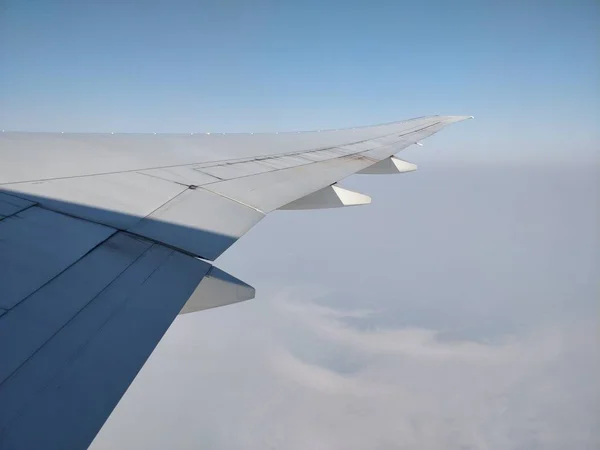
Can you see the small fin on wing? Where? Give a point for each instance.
(332, 196)
(389, 166)
(217, 288)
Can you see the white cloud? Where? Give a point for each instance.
(371, 352)
(407, 388)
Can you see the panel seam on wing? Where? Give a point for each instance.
(70, 265)
(21, 210)
(308, 163)
(36, 351)
(221, 162)
(235, 200)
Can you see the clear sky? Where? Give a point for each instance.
(528, 70)
(458, 311)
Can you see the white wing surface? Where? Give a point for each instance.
(105, 238)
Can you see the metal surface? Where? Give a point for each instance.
(9, 205)
(36, 245)
(217, 288)
(70, 351)
(199, 222)
(390, 165)
(329, 197)
(118, 200)
(184, 175)
(269, 191)
(59, 155)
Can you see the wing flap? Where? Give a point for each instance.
(272, 190)
(32, 322)
(36, 245)
(199, 222)
(269, 191)
(88, 331)
(10, 205)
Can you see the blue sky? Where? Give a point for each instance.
(528, 70)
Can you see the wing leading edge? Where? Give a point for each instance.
(99, 258)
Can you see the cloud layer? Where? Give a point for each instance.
(467, 319)
(358, 389)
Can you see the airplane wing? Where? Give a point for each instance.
(106, 238)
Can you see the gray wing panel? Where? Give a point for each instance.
(268, 191)
(199, 222)
(118, 200)
(271, 190)
(65, 155)
(36, 245)
(203, 208)
(10, 205)
(70, 350)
